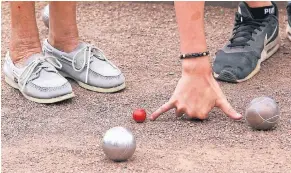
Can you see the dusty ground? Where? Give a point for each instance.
(142, 39)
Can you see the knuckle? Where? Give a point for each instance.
(220, 102)
(176, 102)
(179, 109)
(190, 113)
(161, 109)
(202, 115)
(173, 99)
(229, 110)
(205, 112)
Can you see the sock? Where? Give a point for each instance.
(262, 12)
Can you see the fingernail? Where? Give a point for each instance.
(239, 116)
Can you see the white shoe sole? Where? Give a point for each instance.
(96, 89)
(102, 90)
(38, 100)
(288, 32)
(267, 52)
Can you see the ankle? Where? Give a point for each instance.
(64, 40)
(65, 45)
(22, 49)
(263, 11)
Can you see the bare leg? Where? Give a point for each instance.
(63, 36)
(255, 4)
(24, 33)
(63, 31)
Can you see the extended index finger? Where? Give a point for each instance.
(164, 108)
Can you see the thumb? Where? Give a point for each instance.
(224, 105)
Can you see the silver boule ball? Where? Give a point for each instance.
(262, 113)
(118, 144)
(45, 15)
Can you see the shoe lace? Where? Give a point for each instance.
(32, 71)
(244, 28)
(89, 53)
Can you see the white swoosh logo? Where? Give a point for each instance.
(266, 38)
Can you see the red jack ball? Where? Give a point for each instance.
(139, 115)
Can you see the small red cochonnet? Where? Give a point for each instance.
(139, 115)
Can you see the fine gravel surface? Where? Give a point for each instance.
(142, 39)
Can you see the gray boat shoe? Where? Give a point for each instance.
(38, 81)
(89, 67)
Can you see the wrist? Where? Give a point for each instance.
(200, 65)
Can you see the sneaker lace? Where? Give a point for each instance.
(89, 53)
(244, 28)
(32, 71)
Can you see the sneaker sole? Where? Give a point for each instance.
(96, 89)
(288, 32)
(38, 100)
(267, 52)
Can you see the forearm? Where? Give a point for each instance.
(190, 19)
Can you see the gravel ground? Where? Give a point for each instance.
(142, 39)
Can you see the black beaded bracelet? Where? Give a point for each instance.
(194, 55)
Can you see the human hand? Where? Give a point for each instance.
(197, 92)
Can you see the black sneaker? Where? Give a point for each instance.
(253, 41)
(288, 28)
